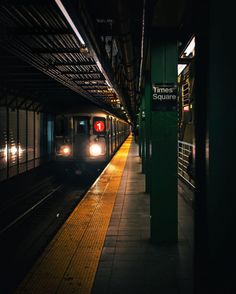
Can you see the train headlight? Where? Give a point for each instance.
(95, 149)
(65, 150)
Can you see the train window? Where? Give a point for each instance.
(82, 125)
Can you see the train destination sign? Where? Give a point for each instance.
(99, 126)
(164, 97)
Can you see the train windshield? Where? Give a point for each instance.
(82, 125)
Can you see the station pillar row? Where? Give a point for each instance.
(144, 140)
(143, 135)
(147, 105)
(161, 142)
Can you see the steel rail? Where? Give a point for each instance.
(19, 218)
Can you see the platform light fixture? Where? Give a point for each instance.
(181, 67)
(186, 108)
(190, 49)
(68, 18)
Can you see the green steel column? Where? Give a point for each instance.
(143, 153)
(147, 95)
(215, 160)
(139, 134)
(163, 190)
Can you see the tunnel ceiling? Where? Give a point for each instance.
(21, 84)
(101, 64)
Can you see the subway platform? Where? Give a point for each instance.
(104, 246)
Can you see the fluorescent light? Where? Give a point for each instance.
(68, 18)
(181, 67)
(186, 108)
(108, 83)
(190, 48)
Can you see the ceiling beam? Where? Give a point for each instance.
(55, 50)
(72, 63)
(81, 72)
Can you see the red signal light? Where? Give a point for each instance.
(99, 126)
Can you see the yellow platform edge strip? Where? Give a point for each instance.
(69, 263)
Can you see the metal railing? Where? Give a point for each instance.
(184, 150)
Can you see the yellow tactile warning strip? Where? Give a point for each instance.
(69, 263)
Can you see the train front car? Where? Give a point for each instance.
(86, 141)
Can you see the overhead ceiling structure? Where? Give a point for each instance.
(119, 26)
(89, 49)
(21, 82)
(46, 35)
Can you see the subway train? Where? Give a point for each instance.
(90, 136)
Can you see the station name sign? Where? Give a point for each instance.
(164, 97)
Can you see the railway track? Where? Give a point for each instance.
(30, 220)
(27, 212)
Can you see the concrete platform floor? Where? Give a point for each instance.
(129, 263)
